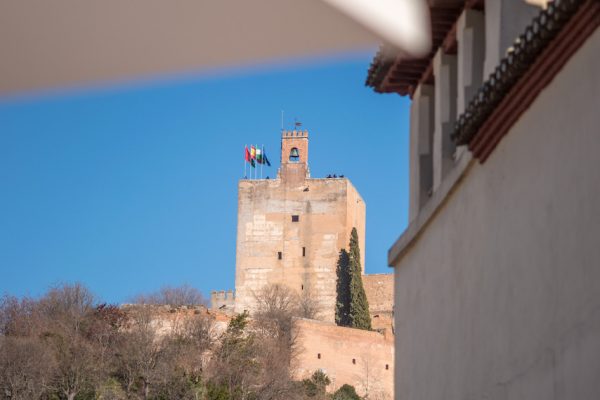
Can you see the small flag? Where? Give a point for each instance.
(253, 152)
(265, 159)
(247, 154)
(259, 157)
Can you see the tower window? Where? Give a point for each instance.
(294, 155)
(304, 252)
(319, 356)
(295, 218)
(354, 361)
(279, 255)
(387, 366)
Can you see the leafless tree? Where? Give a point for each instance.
(67, 306)
(25, 368)
(140, 355)
(177, 296)
(194, 341)
(66, 311)
(77, 368)
(277, 307)
(18, 317)
(307, 305)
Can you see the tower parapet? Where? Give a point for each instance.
(222, 300)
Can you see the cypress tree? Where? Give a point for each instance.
(359, 305)
(342, 305)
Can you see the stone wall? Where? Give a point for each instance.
(360, 358)
(166, 319)
(380, 294)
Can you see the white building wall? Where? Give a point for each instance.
(499, 297)
(421, 147)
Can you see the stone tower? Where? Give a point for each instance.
(291, 229)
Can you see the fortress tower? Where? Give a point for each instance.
(291, 229)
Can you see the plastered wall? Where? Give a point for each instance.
(499, 296)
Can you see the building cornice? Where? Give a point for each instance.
(529, 66)
(391, 71)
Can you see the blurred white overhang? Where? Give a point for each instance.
(48, 44)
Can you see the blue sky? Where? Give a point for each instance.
(130, 187)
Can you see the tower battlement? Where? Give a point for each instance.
(222, 300)
(294, 133)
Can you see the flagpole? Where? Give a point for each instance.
(262, 150)
(245, 147)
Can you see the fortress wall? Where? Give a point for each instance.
(337, 347)
(167, 319)
(380, 294)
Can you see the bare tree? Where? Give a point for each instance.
(307, 306)
(140, 355)
(277, 307)
(18, 317)
(67, 306)
(25, 368)
(103, 329)
(194, 341)
(66, 311)
(183, 295)
(77, 368)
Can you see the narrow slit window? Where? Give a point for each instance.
(304, 252)
(387, 366)
(319, 356)
(279, 255)
(295, 218)
(354, 361)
